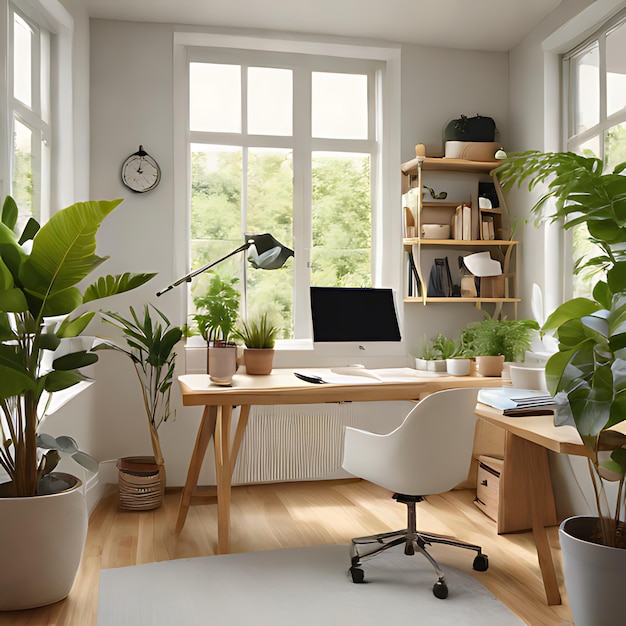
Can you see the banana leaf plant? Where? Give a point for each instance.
(590, 364)
(149, 343)
(40, 270)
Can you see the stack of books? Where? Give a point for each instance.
(518, 402)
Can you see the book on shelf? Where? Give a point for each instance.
(487, 227)
(467, 221)
(414, 286)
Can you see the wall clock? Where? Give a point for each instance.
(140, 172)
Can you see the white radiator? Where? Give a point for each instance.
(288, 443)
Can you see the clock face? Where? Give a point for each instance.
(140, 172)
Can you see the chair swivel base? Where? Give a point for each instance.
(414, 542)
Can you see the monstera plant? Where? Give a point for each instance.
(40, 308)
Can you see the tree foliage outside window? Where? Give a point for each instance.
(341, 217)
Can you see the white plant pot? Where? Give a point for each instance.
(421, 364)
(41, 544)
(438, 365)
(594, 575)
(458, 367)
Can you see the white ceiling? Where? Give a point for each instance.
(497, 25)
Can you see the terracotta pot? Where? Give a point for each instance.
(41, 544)
(222, 362)
(489, 365)
(258, 361)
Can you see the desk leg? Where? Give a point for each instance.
(526, 453)
(205, 432)
(223, 474)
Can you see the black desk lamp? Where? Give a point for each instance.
(265, 253)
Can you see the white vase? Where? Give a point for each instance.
(595, 575)
(41, 544)
(458, 367)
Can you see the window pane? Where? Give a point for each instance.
(616, 69)
(215, 97)
(215, 209)
(270, 101)
(588, 89)
(615, 145)
(270, 210)
(22, 60)
(584, 282)
(341, 216)
(339, 105)
(22, 180)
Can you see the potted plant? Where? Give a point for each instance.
(44, 517)
(259, 336)
(150, 346)
(498, 341)
(459, 362)
(590, 367)
(217, 310)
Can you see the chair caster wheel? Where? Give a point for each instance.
(440, 589)
(358, 575)
(481, 563)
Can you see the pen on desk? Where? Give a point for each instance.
(309, 378)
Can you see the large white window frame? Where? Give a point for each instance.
(575, 140)
(386, 225)
(51, 115)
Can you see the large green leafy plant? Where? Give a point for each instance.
(590, 365)
(40, 270)
(149, 343)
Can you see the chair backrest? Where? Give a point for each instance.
(429, 453)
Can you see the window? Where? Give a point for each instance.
(25, 166)
(285, 144)
(595, 74)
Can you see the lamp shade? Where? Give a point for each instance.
(266, 253)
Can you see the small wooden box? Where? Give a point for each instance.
(488, 485)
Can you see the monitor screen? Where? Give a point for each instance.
(353, 314)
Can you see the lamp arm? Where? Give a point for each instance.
(188, 277)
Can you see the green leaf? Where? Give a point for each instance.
(572, 309)
(9, 212)
(111, 285)
(59, 380)
(13, 301)
(63, 251)
(29, 232)
(74, 327)
(75, 360)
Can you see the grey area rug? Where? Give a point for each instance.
(293, 587)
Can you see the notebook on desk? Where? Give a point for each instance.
(515, 402)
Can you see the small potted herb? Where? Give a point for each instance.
(259, 337)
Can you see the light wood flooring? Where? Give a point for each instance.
(266, 517)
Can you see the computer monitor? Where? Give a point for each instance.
(354, 314)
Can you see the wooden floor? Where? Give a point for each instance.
(274, 516)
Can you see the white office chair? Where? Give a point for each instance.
(429, 453)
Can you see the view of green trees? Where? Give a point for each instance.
(340, 212)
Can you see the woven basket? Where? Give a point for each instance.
(139, 483)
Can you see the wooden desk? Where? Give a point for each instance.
(525, 479)
(280, 387)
